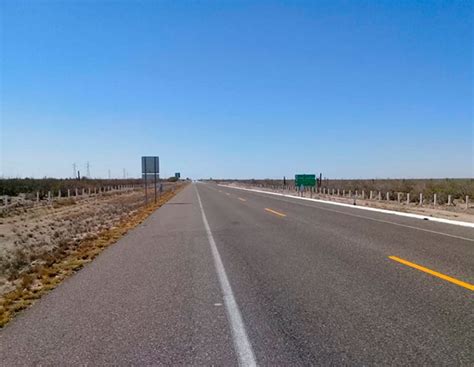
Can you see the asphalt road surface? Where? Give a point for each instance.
(225, 277)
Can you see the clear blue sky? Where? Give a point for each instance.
(353, 89)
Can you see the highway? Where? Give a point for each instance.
(226, 277)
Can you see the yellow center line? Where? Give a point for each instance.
(242, 199)
(434, 273)
(275, 212)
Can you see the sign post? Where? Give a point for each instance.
(150, 166)
(154, 161)
(146, 192)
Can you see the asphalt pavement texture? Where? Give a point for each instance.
(312, 283)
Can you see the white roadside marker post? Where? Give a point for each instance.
(408, 198)
(421, 199)
(434, 199)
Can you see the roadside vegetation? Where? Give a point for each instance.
(17, 186)
(42, 245)
(30, 186)
(458, 188)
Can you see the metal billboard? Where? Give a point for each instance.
(150, 165)
(305, 180)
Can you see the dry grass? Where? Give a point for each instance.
(65, 202)
(62, 262)
(34, 234)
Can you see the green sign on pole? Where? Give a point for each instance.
(305, 180)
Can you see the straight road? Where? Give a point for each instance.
(223, 276)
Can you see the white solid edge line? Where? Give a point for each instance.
(242, 344)
(386, 211)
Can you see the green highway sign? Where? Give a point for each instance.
(305, 180)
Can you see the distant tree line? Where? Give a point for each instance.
(16, 186)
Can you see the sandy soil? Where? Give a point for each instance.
(29, 235)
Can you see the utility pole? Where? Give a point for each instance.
(109, 174)
(124, 173)
(74, 171)
(88, 170)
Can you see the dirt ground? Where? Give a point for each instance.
(32, 235)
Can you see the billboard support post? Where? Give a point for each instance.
(146, 192)
(154, 161)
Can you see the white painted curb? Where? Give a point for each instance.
(385, 211)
